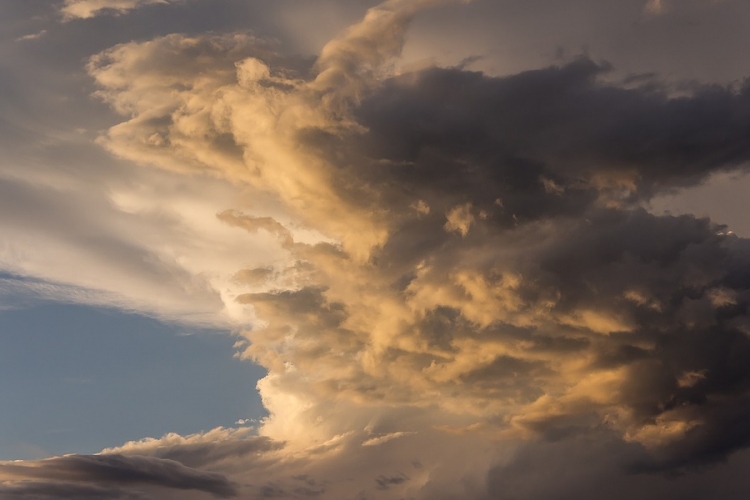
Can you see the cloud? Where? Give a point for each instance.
(260, 467)
(654, 7)
(116, 470)
(465, 276)
(595, 465)
(200, 450)
(555, 308)
(85, 9)
(122, 245)
(585, 137)
(660, 7)
(378, 440)
(43, 490)
(32, 36)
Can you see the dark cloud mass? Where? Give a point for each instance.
(550, 141)
(552, 166)
(74, 473)
(45, 490)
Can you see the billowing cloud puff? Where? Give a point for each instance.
(466, 261)
(534, 292)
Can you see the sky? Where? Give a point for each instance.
(361, 249)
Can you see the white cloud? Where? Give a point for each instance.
(32, 36)
(152, 244)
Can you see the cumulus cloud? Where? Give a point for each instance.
(467, 273)
(557, 306)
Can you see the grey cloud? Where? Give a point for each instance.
(515, 35)
(253, 224)
(39, 490)
(457, 134)
(258, 275)
(657, 274)
(93, 234)
(308, 487)
(201, 454)
(597, 465)
(676, 262)
(385, 482)
(558, 160)
(306, 301)
(120, 470)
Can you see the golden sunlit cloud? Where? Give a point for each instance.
(442, 266)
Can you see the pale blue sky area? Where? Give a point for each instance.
(76, 379)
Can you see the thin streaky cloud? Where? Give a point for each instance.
(86, 9)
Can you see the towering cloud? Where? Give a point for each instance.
(468, 272)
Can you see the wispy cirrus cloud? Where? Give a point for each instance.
(32, 36)
(85, 9)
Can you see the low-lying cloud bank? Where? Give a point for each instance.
(487, 289)
(105, 476)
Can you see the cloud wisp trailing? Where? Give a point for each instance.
(85, 9)
(482, 283)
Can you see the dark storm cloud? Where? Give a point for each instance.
(669, 294)
(548, 141)
(119, 470)
(597, 466)
(682, 290)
